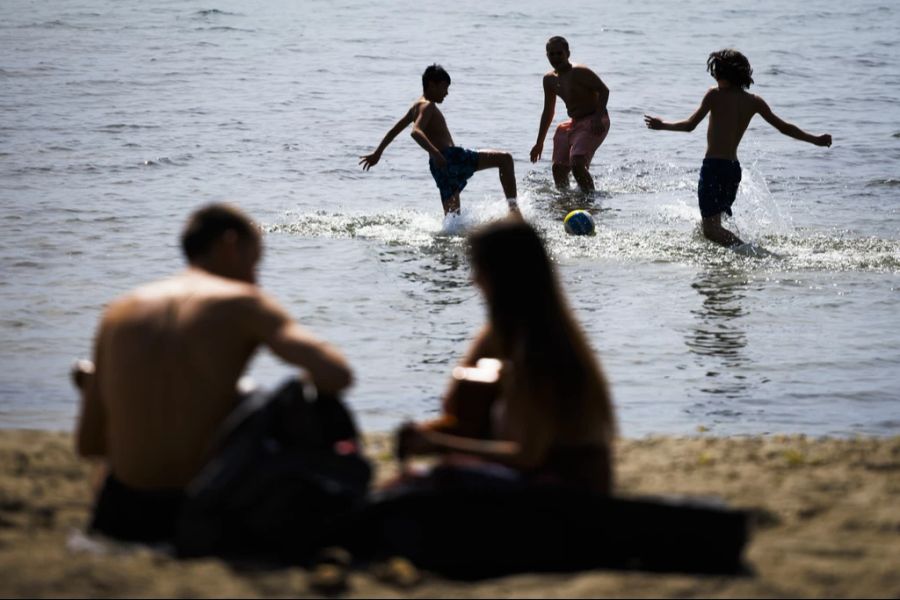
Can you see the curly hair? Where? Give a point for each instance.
(730, 65)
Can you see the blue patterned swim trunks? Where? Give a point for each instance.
(461, 165)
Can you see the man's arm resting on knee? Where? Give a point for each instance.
(292, 343)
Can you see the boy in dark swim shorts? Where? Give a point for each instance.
(731, 107)
(718, 186)
(450, 165)
(461, 165)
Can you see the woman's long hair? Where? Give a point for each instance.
(535, 328)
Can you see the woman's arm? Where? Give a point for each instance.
(413, 439)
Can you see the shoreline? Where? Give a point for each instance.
(827, 523)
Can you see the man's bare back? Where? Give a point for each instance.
(167, 359)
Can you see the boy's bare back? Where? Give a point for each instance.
(730, 112)
(731, 109)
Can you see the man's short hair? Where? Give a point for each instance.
(206, 225)
(730, 65)
(560, 39)
(435, 73)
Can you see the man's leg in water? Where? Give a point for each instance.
(451, 204)
(713, 231)
(503, 161)
(561, 175)
(582, 175)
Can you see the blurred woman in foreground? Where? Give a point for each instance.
(540, 411)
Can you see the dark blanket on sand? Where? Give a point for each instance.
(475, 534)
(284, 485)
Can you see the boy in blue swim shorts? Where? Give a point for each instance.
(461, 165)
(718, 186)
(731, 107)
(450, 165)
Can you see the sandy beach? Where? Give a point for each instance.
(827, 523)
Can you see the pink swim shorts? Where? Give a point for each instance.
(575, 138)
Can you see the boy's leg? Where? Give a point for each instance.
(504, 162)
(451, 204)
(716, 191)
(713, 231)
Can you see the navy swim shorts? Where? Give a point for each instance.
(718, 186)
(461, 165)
(131, 514)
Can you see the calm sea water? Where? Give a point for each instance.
(118, 119)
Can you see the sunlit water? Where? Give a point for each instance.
(120, 118)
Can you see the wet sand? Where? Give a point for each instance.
(828, 524)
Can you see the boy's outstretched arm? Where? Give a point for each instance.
(370, 160)
(787, 128)
(688, 124)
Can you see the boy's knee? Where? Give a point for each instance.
(561, 169)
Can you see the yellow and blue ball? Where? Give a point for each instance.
(579, 222)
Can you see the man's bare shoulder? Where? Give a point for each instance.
(550, 81)
(582, 71)
(196, 282)
(193, 286)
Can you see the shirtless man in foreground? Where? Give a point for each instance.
(451, 166)
(577, 139)
(167, 359)
(730, 107)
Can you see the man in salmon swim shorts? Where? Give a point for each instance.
(577, 139)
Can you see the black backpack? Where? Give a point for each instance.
(286, 471)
